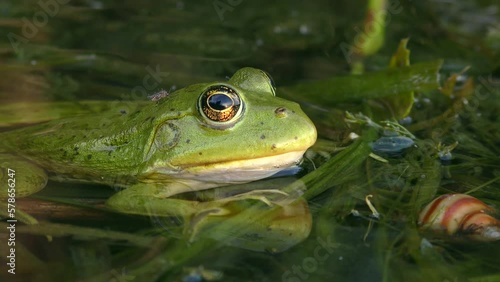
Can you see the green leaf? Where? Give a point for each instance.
(399, 105)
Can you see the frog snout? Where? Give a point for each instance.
(296, 122)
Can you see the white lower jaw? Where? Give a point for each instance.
(241, 171)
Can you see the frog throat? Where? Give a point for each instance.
(236, 171)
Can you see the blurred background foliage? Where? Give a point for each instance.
(103, 50)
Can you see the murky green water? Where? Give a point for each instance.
(124, 51)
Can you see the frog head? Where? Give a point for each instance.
(228, 132)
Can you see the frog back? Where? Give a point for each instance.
(107, 147)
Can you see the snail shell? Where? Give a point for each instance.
(460, 214)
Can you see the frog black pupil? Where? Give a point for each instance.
(220, 102)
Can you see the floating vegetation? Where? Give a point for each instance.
(361, 203)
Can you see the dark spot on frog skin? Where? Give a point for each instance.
(134, 114)
(295, 138)
(89, 157)
(200, 153)
(151, 119)
(188, 141)
(123, 112)
(263, 136)
(261, 123)
(172, 109)
(293, 112)
(273, 146)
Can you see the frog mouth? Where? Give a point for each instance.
(241, 171)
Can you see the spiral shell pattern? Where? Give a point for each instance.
(460, 214)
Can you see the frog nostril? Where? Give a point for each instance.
(280, 112)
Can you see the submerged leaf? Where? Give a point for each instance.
(399, 105)
(329, 92)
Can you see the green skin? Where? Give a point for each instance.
(165, 147)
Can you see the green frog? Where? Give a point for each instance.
(200, 137)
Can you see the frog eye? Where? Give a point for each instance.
(220, 103)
